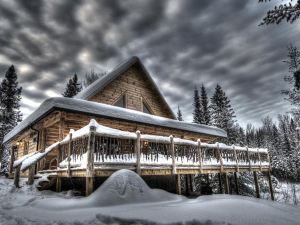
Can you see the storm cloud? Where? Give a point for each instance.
(182, 43)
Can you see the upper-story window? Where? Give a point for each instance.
(146, 109)
(121, 102)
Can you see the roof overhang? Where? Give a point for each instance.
(109, 111)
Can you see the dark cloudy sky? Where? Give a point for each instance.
(183, 43)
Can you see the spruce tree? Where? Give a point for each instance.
(197, 107)
(179, 114)
(222, 114)
(205, 116)
(10, 113)
(73, 87)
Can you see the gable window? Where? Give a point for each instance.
(121, 102)
(146, 108)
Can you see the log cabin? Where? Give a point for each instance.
(125, 100)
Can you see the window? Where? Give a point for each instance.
(25, 147)
(121, 102)
(146, 109)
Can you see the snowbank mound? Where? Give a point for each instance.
(124, 187)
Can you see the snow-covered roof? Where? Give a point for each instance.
(102, 82)
(109, 111)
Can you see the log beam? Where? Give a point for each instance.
(226, 183)
(58, 184)
(17, 176)
(178, 184)
(237, 190)
(90, 162)
(256, 184)
(270, 185)
(138, 152)
(31, 173)
(220, 183)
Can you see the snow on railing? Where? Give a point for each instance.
(112, 146)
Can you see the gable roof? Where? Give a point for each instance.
(102, 82)
(109, 111)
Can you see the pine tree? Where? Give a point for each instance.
(222, 114)
(205, 115)
(197, 107)
(73, 87)
(91, 77)
(179, 114)
(293, 93)
(10, 113)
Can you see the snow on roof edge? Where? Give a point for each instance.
(110, 111)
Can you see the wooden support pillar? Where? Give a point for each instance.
(220, 157)
(58, 184)
(173, 154)
(248, 158)
(187, 184)
(89, 188)
(69, 155)
(270, 185)
(17, 176)
(256, 184)
(200, 155)
(237, 190)
(178, 184)
(138, 152)
(226, 183)
(220, 183)
(31, 173)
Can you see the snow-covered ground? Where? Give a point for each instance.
(125, 199)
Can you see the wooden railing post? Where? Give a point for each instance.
(259, 159)
(17, 176)
(220, 157)
(236, 159)
(59, 155)
(138, 152)
(90, 161)
(69, 154)
(173, 154)
(200, 154)
(248, 158)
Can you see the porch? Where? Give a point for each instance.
(98, 151)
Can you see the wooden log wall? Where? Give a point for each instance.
(137, 89)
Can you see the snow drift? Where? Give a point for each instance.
(122, 187)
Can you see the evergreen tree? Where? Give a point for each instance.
(10, 115)
(197, 107)
(222, 114)
(289, 12)
(91, 77)
(205, 116)
(179, 114)
(73, 87)
(293, 93)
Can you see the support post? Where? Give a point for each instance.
(31, 172)
(69, 155)
(90, 162)
(237, 190)
(270, 185)
(248, 158)
(226, 183)
(173, 154)
(58, 184)
(220, 183)
(17, 176)
(236, 159)
(187, 184)
(200, 154)
(259, 159)
(256, 184)
(220, 157)
(138, 152)
(178, 184)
